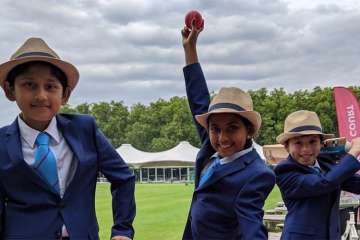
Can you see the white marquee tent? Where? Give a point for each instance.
(183, 153)
(173, 165)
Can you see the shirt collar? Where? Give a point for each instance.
(233, 156)
(316, 164)
(29, 134)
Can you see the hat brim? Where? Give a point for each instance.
(282, 138)
(253, 117)
(69, 70)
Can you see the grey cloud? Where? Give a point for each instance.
(244, 7)
(131, 50)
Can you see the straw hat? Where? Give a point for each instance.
(301, 123)
(35, 49)
(232, 100)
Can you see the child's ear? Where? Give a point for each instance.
(9, 91)
(66, 95)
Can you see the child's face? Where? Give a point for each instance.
(227, 133)
(39, 95)
(304, 149)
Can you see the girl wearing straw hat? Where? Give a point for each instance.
(231, 180)
(310, 183)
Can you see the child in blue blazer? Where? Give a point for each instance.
(310, 182)
(231, 180)
(49, 162)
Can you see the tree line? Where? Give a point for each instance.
(162, 124)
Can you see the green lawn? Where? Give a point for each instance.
(161, 209)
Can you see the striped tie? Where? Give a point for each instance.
(209, 171)
(45, 162)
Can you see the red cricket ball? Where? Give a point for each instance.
(199, 21)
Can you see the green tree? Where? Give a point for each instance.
(112, 119)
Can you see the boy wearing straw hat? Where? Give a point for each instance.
(231, 180)
(310, 183)
(49, 162)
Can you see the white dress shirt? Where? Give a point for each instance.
(66, 166)
(228, 159)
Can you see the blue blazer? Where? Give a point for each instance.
(312, 198)
(31, 209)
(229, 205)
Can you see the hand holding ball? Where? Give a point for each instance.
(196, 16)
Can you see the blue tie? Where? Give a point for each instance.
(45, 162)
(317, 169)
(209, 171)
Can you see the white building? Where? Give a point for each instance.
(173, 165)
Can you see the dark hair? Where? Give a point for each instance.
(24, 67)
(250, 128)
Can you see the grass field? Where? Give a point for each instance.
(161, 210)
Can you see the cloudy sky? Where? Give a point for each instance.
(130, 50)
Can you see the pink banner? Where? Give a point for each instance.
(348, 113)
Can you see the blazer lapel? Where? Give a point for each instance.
(13, 145)
(229, 168)
(68, 131)
(202, 158)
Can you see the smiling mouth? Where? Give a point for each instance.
(225, 146)
(40, 106)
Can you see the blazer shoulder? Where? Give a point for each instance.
(257, 164)
(259, 171)
(75, 118)
(9, 129)
(285, 166)
(3, 130)
(77, 124)
(265, 169)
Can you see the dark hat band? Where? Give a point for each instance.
(306, 128)
(226, 105)
(31, 54)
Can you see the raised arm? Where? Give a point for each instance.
(297, 185)
(196, 88)
(352, 184)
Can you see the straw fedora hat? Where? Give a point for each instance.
(301, 123)
(36, 49)
(232, 100)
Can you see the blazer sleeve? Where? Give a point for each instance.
(122, 185)
(249, 205)
(352, 184)
(187, 235)
(2, 206)
(197, 94)
(295, 184)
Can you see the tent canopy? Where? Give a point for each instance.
(184, 152)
